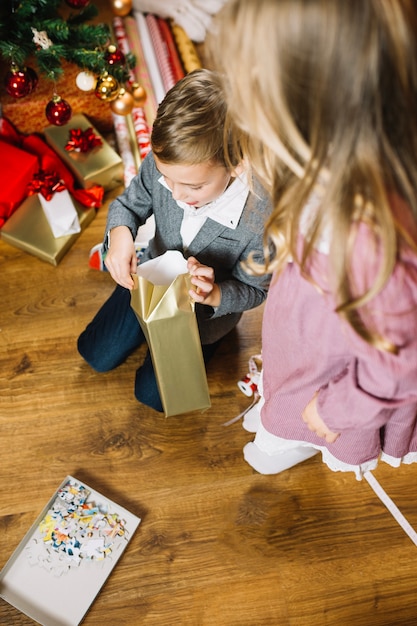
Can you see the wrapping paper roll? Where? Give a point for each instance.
(150, 56)
(138, 115)
(142, 132)
(161, 52)
(126, 144)
(172, 51)
(141, 70)
(187, 50)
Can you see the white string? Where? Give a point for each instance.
(392, 508)
(237, 418)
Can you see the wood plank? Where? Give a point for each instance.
(219, 544)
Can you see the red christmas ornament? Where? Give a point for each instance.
(18, 82)
(58, 111)
(114, 56)
(77, 4)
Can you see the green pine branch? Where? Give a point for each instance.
(73, 39)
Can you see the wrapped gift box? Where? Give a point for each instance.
(29, 230)
(53, 577)
(16, 172)
(100, 166)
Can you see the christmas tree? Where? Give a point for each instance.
(36, 36)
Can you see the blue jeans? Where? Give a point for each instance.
(113, 335)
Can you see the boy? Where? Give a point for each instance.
(204, 208)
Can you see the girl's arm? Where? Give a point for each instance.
(376, 383)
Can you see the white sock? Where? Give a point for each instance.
(252, 418)
(265, 463)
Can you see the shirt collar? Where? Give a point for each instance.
(226, 209)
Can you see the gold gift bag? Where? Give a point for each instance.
(167, 317)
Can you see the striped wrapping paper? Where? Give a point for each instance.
(172, 51)
(139, 123)
(126, 149)
(141, 69)
(142, 132)
(187, 50)
(161, 52)
(150, 56)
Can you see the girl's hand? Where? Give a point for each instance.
(121, 260)
(314, 422)
(206, 290)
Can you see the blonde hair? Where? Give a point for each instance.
(190, 123)
(325, 95)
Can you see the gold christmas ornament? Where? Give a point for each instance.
(123, 104)
(107, 88)
(122, 7)
(139, 94)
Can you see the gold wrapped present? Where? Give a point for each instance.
(99, 166)
(167, 318)
(28, 229)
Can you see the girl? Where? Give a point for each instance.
(325, 94)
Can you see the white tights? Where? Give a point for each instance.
(269, 454)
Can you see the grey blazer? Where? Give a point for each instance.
(215, 245)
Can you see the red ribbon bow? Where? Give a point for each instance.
(48, 161)
(82, 140)
(46, 183)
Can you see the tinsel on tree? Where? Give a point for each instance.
(45, 33)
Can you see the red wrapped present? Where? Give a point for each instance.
(28, 228)
(48, 161)
(17, 170)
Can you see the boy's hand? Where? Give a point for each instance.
(121, 260)
(314, 422)
(206, 290)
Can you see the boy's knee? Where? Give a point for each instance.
(95, 359)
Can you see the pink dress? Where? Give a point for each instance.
(367, 395)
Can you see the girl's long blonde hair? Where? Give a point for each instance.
(325, 95)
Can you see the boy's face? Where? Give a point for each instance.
(195, 185)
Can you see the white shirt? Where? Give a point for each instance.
(226, 209)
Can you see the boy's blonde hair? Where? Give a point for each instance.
(189, 127)
(325, 94)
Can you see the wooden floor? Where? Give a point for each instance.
(219, 544)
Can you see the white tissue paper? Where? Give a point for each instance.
(61, 214)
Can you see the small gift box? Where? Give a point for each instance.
(28, 229)
(166, 314)
(56, 202)
(89, 157)
(16, 171)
